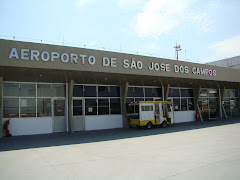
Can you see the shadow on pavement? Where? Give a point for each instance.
(59, 139)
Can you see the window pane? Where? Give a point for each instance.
(226, 93)
(232, 93)
(236, 93)
(115, 105)
(158, 92)
(28, 107)
(58, 90)
(90, 107)
(148, 99)
(130, 92)
(44, 90)
(90, 91)
(138, 92)
(190, 104)
(77, 91)
(184, 104)
(135, 92)
(130, 109)
(77, 107)
(103, 91)
(186, 92)
(149, 92)
(235, 107)
(103, 106)
(27, 90)
(203, 93)
(139, 99)
(59, 107)
(173, 92)
(10, 89)
(10, 107)
(153, 92)
(114, 91)
(176, 104)
(44, 108)
(212, 93)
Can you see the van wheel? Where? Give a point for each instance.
(149, 125)
(164, 124)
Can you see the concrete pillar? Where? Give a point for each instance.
(70, 115)
(196, 99)
(165, 91)
(1, 107)
(124, 89)
(220, 102)
(238, 99)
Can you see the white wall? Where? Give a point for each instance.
(184, 116)
(78, 123)
(103, 122)
(30, 126)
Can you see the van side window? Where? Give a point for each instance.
(147, 108)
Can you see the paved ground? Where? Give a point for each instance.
(198, 150)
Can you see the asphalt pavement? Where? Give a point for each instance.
(196, 150)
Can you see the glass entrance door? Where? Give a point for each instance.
(59, 123)
(213, 108)
(78, 114)
(203, 106)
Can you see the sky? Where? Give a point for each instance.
(206, 30)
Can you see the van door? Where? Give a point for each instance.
(147, 111)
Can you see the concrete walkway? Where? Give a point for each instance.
(198, 150)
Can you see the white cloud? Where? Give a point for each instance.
(81, 3)
(93, 43)
(124, 29)
(161, 16)
(128, 4)
(224, 49)
(202, 18)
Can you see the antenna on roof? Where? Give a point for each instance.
(177, 48)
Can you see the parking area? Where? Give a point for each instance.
(196, 150)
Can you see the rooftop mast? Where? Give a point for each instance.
(177, 48)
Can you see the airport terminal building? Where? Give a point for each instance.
(49, 88)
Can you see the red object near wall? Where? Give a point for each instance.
(197, 116)
(7, 128)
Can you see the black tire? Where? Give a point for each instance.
(149, 125)
(164, 124)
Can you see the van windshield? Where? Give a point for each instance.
(135, 113)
